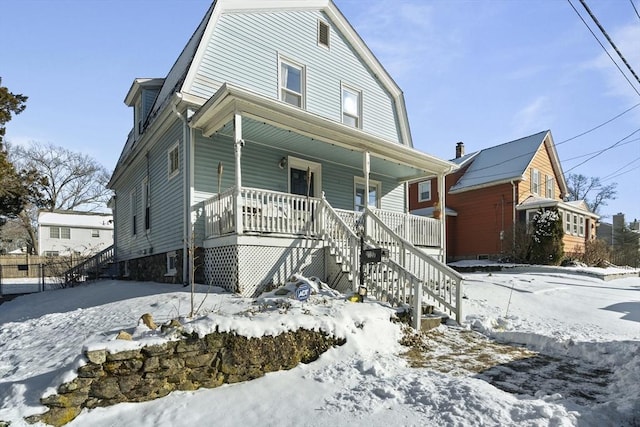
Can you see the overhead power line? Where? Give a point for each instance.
(634, 8)
(605, 49)
(600, 125)
(604, 150)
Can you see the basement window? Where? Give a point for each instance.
(172, 261)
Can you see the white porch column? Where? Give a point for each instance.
(443, 217)
(238, 142)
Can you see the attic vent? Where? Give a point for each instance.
(323, 34)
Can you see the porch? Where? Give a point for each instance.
(257, 211)
(272, 235)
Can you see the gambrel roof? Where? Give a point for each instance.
(507, 162)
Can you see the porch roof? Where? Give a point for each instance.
(289, 128)
(533, 202)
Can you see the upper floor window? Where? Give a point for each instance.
(292, 86)
(351, 107)
(424, 191)
(134, 213)
(535, 181)
(173, 157)
(146, 201)
(323, 34)
(550, 190)
(95, 233)
(59, 232)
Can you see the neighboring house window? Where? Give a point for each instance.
(172, 261)
(173, 158)
(134, 211)
(292, 78)
(575, 224)
(54, 232)
(146, 203)
(323, 34)
(51, 253)
(424, 191)
(59, 233)
(550, 192)
(372, 199)
(351, 107)
(530, 216)
(567, 223)
(95, 233)
(535, 181)
(580, 225)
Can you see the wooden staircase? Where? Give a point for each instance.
(99, 266)
(409, 278)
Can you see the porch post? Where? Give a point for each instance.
(443, 217)
(366, 169)
(238, 142)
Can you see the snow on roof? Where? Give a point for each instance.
(77, 219)
(501, 163)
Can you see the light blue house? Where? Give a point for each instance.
(275, 137)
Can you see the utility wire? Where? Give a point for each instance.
(620, 174)
(605, 49)
(604, 150)
(634, 8)
(594, 152)
(599, 126)
(613, 174)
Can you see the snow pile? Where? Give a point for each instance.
(583, 325)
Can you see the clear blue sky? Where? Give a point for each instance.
(481, 72)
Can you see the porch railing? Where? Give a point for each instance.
(438, 282)
(90, 268)
(419, 230)
(261, 211)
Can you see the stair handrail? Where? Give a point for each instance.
(447, 275)
(95, 262)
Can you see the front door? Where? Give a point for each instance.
(301, 183)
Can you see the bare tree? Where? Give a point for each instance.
(73, 181)
(591, 190)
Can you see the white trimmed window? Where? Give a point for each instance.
(351, 107)
(424, 191)
(95, 233)
(580, 225)
(550, 187)
(535, 181)
(173, 160)
(133, 204)
(291, 82)
(323, 34)
(59, 233)
(360, 198)
(567, 223)
(146, 203)
(575, 224)
(172, 262)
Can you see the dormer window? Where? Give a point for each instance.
(292, 83)
(323, 34)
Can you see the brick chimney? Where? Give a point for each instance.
(459, 149)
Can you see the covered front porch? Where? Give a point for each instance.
(300, 193)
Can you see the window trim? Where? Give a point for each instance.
(172, 271)
(358, 180)
(282, 60)
(420, 199)
(173, 173)
(349, 88)
(316, 170)
(550, 187)
(146, 203)
(52, 234)
(133, 207)
(95, 233)
(318, 39)
(535, 181)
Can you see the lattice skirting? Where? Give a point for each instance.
(249, 269)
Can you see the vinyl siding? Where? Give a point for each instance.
(148, 98)
(166, 201)
(244, 51)
(260, 170)
(542, 162)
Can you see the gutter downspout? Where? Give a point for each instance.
(513, 217)
(186, 196)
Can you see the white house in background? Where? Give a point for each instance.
(72, 232)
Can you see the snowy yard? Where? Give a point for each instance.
(535, 349)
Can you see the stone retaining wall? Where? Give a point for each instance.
(188, 364)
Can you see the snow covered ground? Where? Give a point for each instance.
(581, 366)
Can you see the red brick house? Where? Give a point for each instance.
(497, 188)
